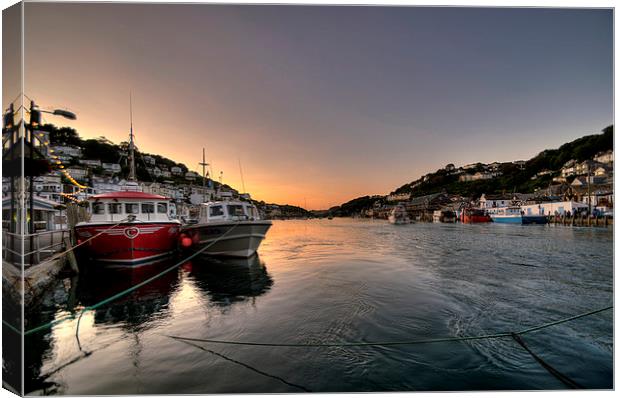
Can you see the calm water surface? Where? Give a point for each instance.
(321, 281)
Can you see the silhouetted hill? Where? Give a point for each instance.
(510, 175)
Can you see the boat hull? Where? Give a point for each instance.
(535, 220)
(230, 239)
(474, 219)
(129, 244)
(507, 219)
(398, 221)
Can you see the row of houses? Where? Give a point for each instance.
(73, 154)
(557, 199)
(112, 169)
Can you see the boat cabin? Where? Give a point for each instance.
(223, 211)
(139, 206)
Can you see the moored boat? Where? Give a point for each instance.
(228, 228)
(398, 215)
(507, 215)
(472, 215)
(128, 228)
(444, 216)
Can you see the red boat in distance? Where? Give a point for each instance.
(471, 215)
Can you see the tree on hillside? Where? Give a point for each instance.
(94, 149)
(62, 135)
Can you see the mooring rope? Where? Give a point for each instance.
(245, 365)
(515, 335)
(126, 291)
(92, 237)
(556, 373)
(394, 343)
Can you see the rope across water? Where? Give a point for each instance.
(395, 343)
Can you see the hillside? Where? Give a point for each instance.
(107, 152)
(511, 177)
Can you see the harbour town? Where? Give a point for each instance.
(217, 199)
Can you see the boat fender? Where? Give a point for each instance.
(185, 241)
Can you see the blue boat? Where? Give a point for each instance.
(507, 215)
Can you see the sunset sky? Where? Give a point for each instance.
(324, 103)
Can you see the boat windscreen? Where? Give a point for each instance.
(235, 211)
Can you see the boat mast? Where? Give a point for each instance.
(204, 164)
(241, 172)
(132, 163)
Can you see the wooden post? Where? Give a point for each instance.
(71, 256)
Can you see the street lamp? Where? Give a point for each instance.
(35, 121)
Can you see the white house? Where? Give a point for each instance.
(48, 186)
(149, 160)
(552, 208)
(111, 167)
(494, 201)
(175, 170)
(191, 175)
(584, 167)
(605, 157)
(398, 197)
(91, 162)
(568, 171)
(66, 151)
(77, 172)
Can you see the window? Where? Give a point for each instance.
(148, 208)
(216, 211)
(235, 211)
(132, 208)
(162, 208)
(115, 208)
(98, 208)
(251, 211)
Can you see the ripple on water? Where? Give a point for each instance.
(343, 281)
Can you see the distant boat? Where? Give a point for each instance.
(445, 216)
(515, 215)
(507, 215)
(472, 215)
(232, 228)
(398, 215)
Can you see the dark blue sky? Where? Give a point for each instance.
(326, 103)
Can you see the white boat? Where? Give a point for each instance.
(231, 228)
(398, 215)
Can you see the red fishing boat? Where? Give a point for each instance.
(471, 215)
(131, 228)
(128, 227)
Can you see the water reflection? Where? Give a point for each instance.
(230, 280)
(339, 281)
(138, 309)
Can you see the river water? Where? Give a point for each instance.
(341, 280)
